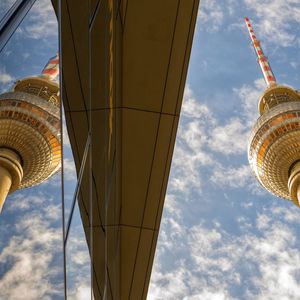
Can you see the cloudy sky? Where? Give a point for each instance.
(222, 236)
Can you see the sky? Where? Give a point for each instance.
(222, 236)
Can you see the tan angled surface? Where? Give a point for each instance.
(128, 59)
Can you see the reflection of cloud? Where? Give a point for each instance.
(69, 169)
(31, 259)
(78, 264)
(66, 136)
(5, 5)
(42, 21)
(32, 248)
(83, 292)
(5, 77)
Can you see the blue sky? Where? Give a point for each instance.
(222, 236)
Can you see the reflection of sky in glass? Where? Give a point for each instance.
(31, 255)
(78, 261)
(222, 236)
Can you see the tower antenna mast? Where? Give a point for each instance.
(261, 58)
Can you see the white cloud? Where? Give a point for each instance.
(260, 259)
(18, 202)
(210, 295)
(249, 96)
(201, 138)
(275, 20)
(168, 285)
(211, 15)
(230, 138)
(237, 177)
(260, 263)
(190, 150)
(232, 177)
(171, 205)
(192, 108)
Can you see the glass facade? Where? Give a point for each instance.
(31, 243)
(78, 269)
(72, 263)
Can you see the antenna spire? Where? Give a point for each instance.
(51, 70)
(261, 58)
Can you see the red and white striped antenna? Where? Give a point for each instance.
(51, 70)
(261, 58)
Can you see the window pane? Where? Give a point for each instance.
(78, 261)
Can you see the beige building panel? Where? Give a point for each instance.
(93, 6)
(141, 264)
(99, 264)
(149, 259)
(160, 168)
(122, 9)
(75, 47)
(179, 58)
(129, 245)
(144, 78)
(100, 62)
(132, 137)
(139, 141)
(80, 36)
(78, 123)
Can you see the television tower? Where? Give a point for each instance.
(30, 145)
(274, 144)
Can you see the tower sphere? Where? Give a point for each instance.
(274, 144)
(30, 145)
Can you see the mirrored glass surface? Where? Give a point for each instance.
(31, 248)
(78, 261)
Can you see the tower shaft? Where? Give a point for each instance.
(11, 173)
(5, 184)
(261, 58)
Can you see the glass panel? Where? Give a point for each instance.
(78, 265)
(31, 246)
(70, 176)
(78, 261)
